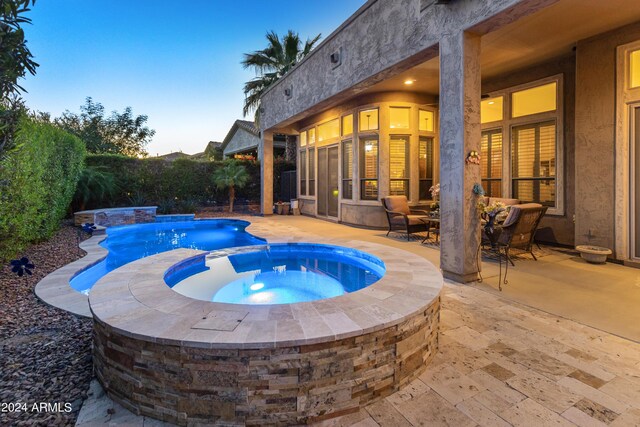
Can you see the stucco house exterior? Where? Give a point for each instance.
(393, 101)
(243, 139)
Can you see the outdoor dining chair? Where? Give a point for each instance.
(402, 218)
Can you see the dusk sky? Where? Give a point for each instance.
(177, 62)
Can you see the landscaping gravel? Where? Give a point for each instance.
(45, 353)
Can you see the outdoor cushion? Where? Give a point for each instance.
(397, 204)
(514, 213)
(413, 220)
(507, 202)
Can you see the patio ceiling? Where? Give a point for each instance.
(549, 33)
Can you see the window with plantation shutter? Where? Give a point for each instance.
(312, 171)
(303, 172)
(347, 170)
(369, 169)
(533, 168)
(399, 166)
(491, 162)
(425, 167)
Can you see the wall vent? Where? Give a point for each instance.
(288, 92)
(336, 58)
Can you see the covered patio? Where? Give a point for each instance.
(560, 283)
(514, 81)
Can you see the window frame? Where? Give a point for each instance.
(407, 165)
(311, 171)
(363, 109)
(343, 167)
(505, 103)
(493, 130)
(426, 139)
(513, 180)
(361, 144)
(302, 161)
(508, 123)
(341, 118)
(408, 110)
(333, 138)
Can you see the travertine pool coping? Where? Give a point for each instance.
(135, 301)
(54, 289)
(410, 283)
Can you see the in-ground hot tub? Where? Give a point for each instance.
(277, 274)
(183, 360)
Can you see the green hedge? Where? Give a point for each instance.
(37, 183)
(182, 185)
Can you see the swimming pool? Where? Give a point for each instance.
(132, 242)
(278, 274)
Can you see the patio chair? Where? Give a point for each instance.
(401, 218)
(519, 229)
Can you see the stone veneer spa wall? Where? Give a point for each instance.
(185, 361)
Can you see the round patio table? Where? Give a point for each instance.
(429, 221)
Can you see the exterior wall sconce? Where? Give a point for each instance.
(288, 92)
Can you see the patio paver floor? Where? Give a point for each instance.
(501, 363)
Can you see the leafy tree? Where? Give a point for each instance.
(15, 58)
(15, 61)
(120, 133)
(271, 63)
(214, 151)
(232, 175)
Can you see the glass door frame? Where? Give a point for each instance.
(338, 182)
(634, 168)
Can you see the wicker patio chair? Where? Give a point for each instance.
(519, 229)
(402, 218)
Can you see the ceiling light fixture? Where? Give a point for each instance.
(409, 81)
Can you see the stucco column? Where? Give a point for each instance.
(265, 154)
(459, 134)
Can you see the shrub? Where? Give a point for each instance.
(37, 183)
(180, 186)
(95, 185)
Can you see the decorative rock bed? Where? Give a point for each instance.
(161, 354)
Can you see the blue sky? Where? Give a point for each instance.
(178, 62)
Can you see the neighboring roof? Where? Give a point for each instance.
(242, 124)
(174, 156)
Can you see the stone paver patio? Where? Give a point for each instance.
(504, 364)
(500, 363)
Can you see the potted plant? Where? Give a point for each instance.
(594, 254)
(435, 195)
(489, 213)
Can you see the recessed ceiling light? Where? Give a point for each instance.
(409, 81)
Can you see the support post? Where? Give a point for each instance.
(460, 133)
(265, 154)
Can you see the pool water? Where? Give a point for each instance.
(131, 242)
(278, 274)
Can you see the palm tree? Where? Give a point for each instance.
(232, 175)
(271, 63)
